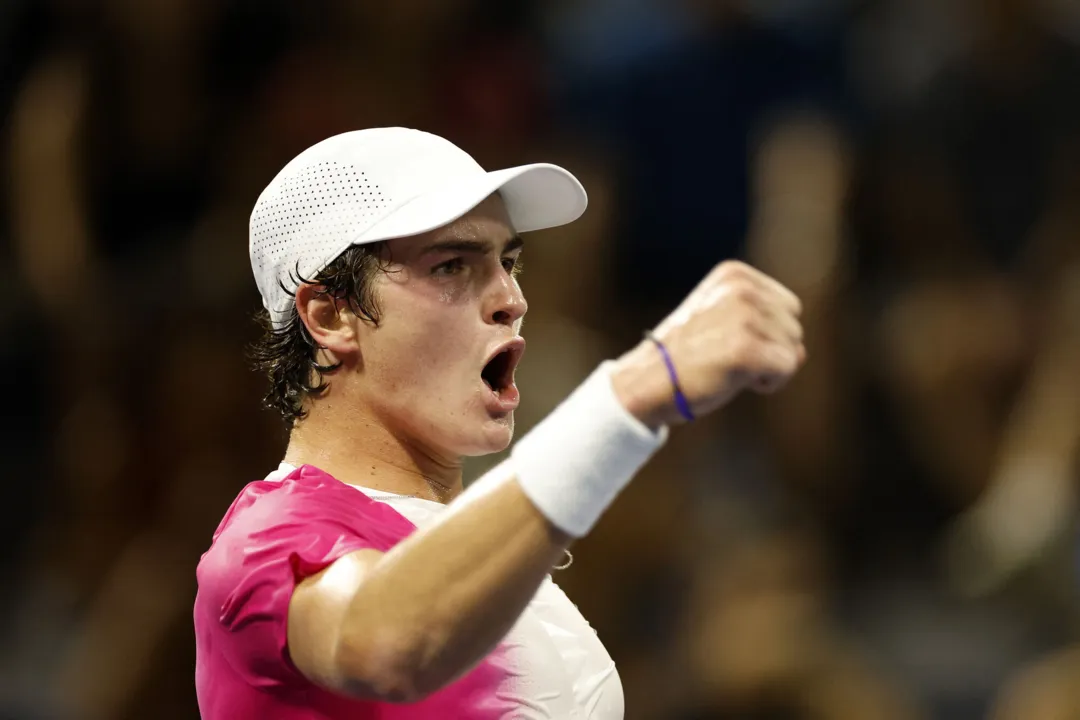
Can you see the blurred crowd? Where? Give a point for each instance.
(893, 536)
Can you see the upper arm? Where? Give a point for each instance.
(305, 543)
(317, 613)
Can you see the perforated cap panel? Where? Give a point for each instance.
(297, 229)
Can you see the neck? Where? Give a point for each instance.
(358, 449)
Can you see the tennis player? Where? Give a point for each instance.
(359, 579)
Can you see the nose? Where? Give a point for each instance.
(506, 302)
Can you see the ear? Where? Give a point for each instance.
(328, 326)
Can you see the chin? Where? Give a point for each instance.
(491, 437)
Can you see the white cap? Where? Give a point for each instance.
(370, 185)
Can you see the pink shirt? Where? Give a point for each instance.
(275, 534)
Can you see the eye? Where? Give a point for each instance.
(450, 267)
(512, 265)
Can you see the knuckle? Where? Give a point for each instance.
(789, 363)
(796, 330)
(729, 269)
(779, 361)
(742, 290)
(749, 324)
(796, 304)
(747, 291)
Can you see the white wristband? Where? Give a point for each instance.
(577, 460)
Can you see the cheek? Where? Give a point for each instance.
(430, 340)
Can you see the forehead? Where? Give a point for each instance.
(488, 222)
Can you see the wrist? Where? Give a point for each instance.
(576, 461)
(642, 384)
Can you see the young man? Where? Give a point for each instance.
(359, 580)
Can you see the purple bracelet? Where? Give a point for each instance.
(680, 400)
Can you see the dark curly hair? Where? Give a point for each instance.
(286, 353)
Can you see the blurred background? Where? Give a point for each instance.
(894, 536)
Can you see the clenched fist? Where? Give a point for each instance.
(738, 329)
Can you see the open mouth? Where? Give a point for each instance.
(498, 373)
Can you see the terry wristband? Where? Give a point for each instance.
(573, 464)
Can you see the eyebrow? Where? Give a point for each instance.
(472, 246)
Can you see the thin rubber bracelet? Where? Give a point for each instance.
(680, 400)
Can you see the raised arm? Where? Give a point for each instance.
(400, 625)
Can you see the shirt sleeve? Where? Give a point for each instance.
(268, 548)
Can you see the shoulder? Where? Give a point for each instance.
(280, 527)
(307, 495)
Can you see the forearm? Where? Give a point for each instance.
(451, 592)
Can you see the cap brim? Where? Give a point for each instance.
(537, 196)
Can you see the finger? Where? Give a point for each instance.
(777, 324)
(767, 316)
(774, 288)
(781, 362)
